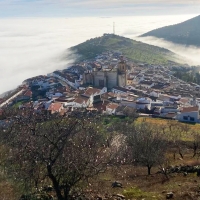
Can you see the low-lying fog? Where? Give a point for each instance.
(34, 46)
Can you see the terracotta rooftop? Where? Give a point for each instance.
(28, 93)
(108, 95)
(112, 106)
(184, 100)
(170, 115)
(101, 106)
(55, 107)
(81, 100)
(90, 91)
(190, 109)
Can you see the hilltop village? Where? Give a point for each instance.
(110, 84)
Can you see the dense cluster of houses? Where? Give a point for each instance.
(149, 89)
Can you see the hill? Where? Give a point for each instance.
(186, 33)
(134, 50)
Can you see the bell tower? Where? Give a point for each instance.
(122, 66)
(122, 72)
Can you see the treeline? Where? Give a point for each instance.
(187, 75)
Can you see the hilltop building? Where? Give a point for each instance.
(109, 77)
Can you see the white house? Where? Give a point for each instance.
(73, 83)
(52, 95)
(91, 93)
(119, 90)
(79, 102)
(189, 114)
(154, 94)
(169, 109)
(143, 103)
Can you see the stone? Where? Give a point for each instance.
(198, 172)
(169, 195)
(98, 198)
(116, 184)
(120, 196)
(185, 174)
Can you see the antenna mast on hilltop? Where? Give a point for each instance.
(114, 28)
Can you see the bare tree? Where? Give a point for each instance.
(50, 148)
(175, 133)
(146, 145)
(196, 143)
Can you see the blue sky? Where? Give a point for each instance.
(76, 8)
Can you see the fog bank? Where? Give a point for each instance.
(34, 46)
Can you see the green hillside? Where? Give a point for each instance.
(134, 50)
(186, 33)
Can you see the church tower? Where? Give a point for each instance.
(122, 67)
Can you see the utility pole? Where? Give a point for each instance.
(113, 28)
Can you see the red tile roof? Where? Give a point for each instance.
(112, 106)
(190, 109)
(170, 115)
(55, 107)
(28, 93)
(90, 91)
(81, 100)
(184, 100)
(101, 106)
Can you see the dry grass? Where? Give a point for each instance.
(8, 191)
(137, 185)
(173, 128)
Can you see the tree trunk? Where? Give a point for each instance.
(149, 169)
(174, 155)
(66, 192)
(55, 183)
(195, 147)
(180, 153)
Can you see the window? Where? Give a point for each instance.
(185, 117)
(192, 119)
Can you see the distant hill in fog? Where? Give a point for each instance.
(185, 33)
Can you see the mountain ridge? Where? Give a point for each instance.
(185, 33)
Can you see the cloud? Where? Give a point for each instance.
(31, 8)
(189, 54)
(35, 46)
